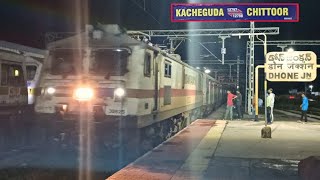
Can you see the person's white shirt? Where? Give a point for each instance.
(272, 96)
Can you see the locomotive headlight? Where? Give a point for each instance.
(51, 90)
(83, 94)
(119, 92)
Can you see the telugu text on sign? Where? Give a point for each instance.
(297, 66)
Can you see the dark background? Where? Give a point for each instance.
(26, 22)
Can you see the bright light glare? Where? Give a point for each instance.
(51, 90)
(197, 67)
(290, 50)
(64, 107)
(118, 50)
(83, 94)
(311, 86)
(16, 73)
(207, 71)
(119, 92)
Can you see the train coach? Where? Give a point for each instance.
(124, 81)
(32, 60)
(13, 98)
(13, 89)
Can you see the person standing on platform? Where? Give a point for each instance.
(270, 105)
(229, 109)
(239, 105)
(253, 107)
(304, 108)
(260, 102)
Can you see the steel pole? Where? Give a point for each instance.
(238, 62)
(257, 90)
(230, 71)
(265, 80)
(246, 87)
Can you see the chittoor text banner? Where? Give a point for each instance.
(235, 12)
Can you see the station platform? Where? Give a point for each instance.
(215, 149)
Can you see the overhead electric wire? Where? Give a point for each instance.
(143, 8)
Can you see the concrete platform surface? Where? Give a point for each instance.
(216, 149)
(290, 140)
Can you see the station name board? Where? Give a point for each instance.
(236, 12)
(297, 66)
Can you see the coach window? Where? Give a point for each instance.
(11, 75)
(147, 65)
(167, 69)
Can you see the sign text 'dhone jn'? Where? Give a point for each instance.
(296, 66)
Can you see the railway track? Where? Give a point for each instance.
(63, 152)
(310, 115)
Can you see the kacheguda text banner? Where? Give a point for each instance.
(239, 12)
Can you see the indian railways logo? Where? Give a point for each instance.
(235, 12)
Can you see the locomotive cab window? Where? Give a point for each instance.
(11, 75)
(31, 72)
(167, 69)
(66, 61)
(147, 65)
(109, 62)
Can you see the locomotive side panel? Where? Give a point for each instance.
(178, 91)
(205, 89)
(139, 80)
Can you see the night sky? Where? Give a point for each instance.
(26, 21)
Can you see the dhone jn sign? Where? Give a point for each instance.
(239, 12)
(297, 66)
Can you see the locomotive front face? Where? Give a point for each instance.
(33, 69)
(74, 77)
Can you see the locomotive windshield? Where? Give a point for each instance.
(66, 62)
(31, 72)
(109, 62)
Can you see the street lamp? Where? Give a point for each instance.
(207, 71)
(290, 50)
(311, 86)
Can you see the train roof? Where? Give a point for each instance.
(8, 56)
(84, 40)
(18, 49)
(110, 37)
